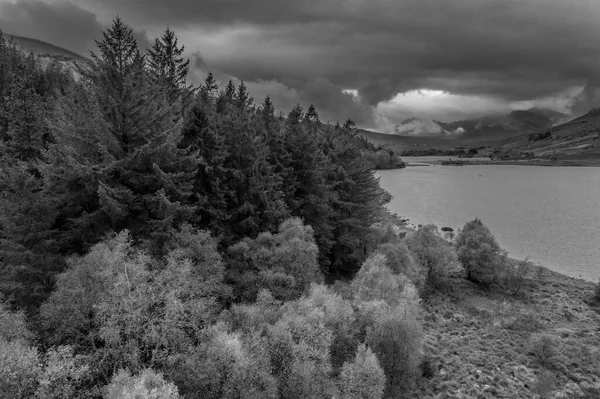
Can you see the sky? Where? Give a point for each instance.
(377, 62)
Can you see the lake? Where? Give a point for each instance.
(551, 214)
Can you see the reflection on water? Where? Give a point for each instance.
(550, 214)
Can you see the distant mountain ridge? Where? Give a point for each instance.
(516, 122)
(41, 48)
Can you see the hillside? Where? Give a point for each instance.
(578, 139)
(41, 48)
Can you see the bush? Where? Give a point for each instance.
(396, 339)
(434, 255)
(543, 348)
(363, 378)
(597, 292)
(285, 263)
(401, 261)
(225, 366)
(61, 375)
(375, 281)
(147, 385)
(514, 275)
(13, 325)
(479, 253)
(19, 370)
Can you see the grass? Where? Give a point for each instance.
(544, 343)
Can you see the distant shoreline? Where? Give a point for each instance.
(565, 162)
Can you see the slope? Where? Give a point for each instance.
(41, 48)
(577, 139)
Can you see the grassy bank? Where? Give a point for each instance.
(484, 343)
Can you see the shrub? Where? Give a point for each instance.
(339, 318)
(19, 369)
(61, 375)
(13, 325)
(363, 378)
(303, 335)
(525, 322)
(375, 281)
(285, 263)
(396, 338)
(479, 253)
(434, 255)
(225, 365)
(597, 292)
(514, 275)
(544, 348)
(401, 261)
(147, 385)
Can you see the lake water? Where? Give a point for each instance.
(551, 214)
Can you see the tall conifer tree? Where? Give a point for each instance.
(138, 175)
(167, 66)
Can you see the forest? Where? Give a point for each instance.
(160, 240)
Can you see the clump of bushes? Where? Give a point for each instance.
(597, 292)
(434, 255)
(362, 378)
(479, 253)
(25, 373)
(544, 348)
(148, 384)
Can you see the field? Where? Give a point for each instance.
(542, 343)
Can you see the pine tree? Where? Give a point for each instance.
(296, 115)
(312, 116)
(131, 162)
(242, 98)
(166, 65)
(267, 110)
(309, 194)
(29, 256)
(226, 97)
(209, 89)
(360, 200)
(25, 111)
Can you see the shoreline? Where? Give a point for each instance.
(570, 163)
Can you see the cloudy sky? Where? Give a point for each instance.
(375, 61)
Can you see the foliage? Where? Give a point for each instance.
(433, 254)
(514, 275)
(139, 313)
(479, 252)
(134, 209)
(597, 292)
(62, 374)
(401, 261)
(362, 378)
(284, 263)
(225, 365)
(147, 385)
(396, 338)
(13, 326)
(19, 369)
(544, 348)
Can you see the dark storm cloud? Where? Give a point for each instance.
(61, 23)
(510, 49)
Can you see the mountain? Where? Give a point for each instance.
(423, 127)
(576, 139)
(419, 134)
(43, 49)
